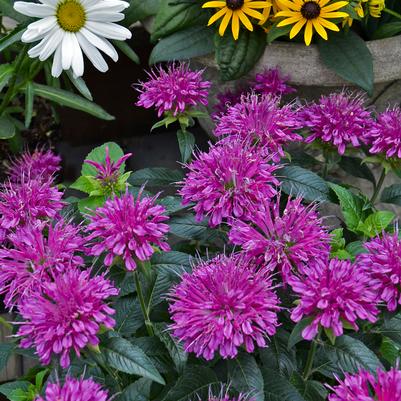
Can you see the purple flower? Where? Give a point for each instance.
(364, 386)
(282, 241)
(32, 200)
(66, 316)
(386, 135)
(37, 252)
(129, 228)
(333, 293)
(260, 120)
(339, 119)
(224, 101)
(41, 165)
(227, 181)
(225, 396)
(174, 90)
(75, 390)
(271, 82)
(383, 263)
(109, 171)
(221, 306)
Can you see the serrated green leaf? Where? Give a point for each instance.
(155, 176)
(392, 329)
(235, 58)
(392, 194)
(173, 204)
(355, 167)
(390, 351)
(311, 390)
(8, 388)
(346, 54)
(87, 205)
(375, 223)
(138, 391)
(186, 143)
(297, 181)
(120, 354)
(83, 184)
(296, 334)
(128, 315)
(191, 42)
(66, 98)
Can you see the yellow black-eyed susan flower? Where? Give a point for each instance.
(311, 14)
(236, 11)
(376, 7)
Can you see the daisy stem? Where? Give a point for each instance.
(391, 12)
(144, 308)
(378, 186)
(10, 91)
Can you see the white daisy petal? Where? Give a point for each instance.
(112, 6)
(109, 30)
(43, 25)
(57, 68)
(33, 9)
(105, 16)
(67, 49)
(51, 3)
(102, 44)
(77, 58)
(31, 35)
(92, 53)
(52, 44)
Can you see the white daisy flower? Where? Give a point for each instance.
(69, 27)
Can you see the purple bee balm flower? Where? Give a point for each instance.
(75, 390)
(221, 306)
(260, 120)
(37, 252)
(32, 200)
(271, 82)
(283, 241)
(129, 228)
(66, 316)
(383, 263)
(224, 101)
(41, 165)
(386, 137)
(225, 396)
(108, 172)
(364, 386)
(227, 181)
(174, 90)
(333, 293)
(339, 119)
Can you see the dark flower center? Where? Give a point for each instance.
(234, 4)
(310, 10)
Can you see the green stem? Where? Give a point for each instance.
(378, 186)
(145, 312)
(309, 361)
(10, 91)
(391, 12)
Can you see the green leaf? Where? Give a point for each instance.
(389, 350)
(138, 391)
(175, 16)
(155, 176)
(7, 128)
(98, 155)
(356, 248)
(175, 349)
(128, 315)
(8, 388)
(311, 390)
(195, 382)
(140, 10)
(297, 181)
(296, 334)
(387, 30)
(126, 49)
(191, 42)
(173, 204)
(66, 98)
(80, 85)
(346, 53)
(355, 167)
(347, 355)
(7, 9)
(235, 58)
(11, 38)
(6, 71)
(83, 184)
(6, 350)
(29, 95)
(186, 142)
(278, 388)
(392, 194)
(276, 32)
(120, 354)
(351, 206)
(392, 329)
(377, 222)
(86, 205)
(245, 376)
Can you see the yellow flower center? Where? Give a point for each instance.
(310, 10)
(234, 4)
(71, 15)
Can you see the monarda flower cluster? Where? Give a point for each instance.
(228, 181)
(129, 228)
(365, 386)
(174, 90)
(66, 315)
(222, 306)
(333, 293)
(282, 241)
